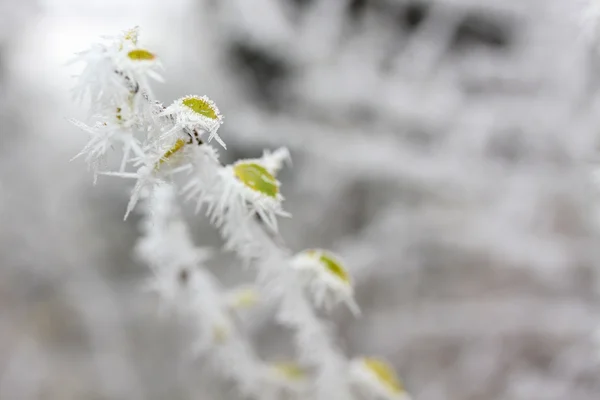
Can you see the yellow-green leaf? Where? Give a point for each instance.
(384, 373)
(179, 144)
(257, 178)
(201, 106)
(331, 263)
(141, 55)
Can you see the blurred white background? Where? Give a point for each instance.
(442, 147)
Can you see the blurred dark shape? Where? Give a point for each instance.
(263, 71)
(357, 7)
(483, 29)
(413, 15)
(302, 3)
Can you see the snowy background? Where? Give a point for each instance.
(442, 147)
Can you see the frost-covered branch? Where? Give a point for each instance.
(169, 147)
(188, 290)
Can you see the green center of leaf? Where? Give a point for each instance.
(329, 261)
(141, 55)
(201, 106)
(384, 373)
(257, 178)
(179, 144)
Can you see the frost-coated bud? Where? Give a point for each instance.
(197, 114)
(256, 178)
(326, 278)
(249, 186)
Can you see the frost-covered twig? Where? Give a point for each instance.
(164, 142)
(187, 289)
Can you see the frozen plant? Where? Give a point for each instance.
(168, 150)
